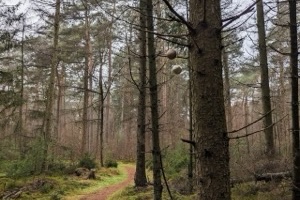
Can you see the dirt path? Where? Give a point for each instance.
(105, 192)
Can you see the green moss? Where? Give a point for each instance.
(134, 193)
(105, 177)
(65, 186)
(262, 191)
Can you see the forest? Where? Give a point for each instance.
(149, 99)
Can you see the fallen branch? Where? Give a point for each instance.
(279, 176)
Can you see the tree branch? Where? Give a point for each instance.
(233, 18)
(182, 20)
(280, 52)
(181, 36)
(173, 41)
(237, 130)
(189, 141)
(246, 135)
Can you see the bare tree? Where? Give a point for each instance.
(265, 88)
(140, 174)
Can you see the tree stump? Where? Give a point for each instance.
(91, 174)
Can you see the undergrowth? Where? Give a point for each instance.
(262, 191)
(245, 191)
(60, 186)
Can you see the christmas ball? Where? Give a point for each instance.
(171, 54)
(176, 69)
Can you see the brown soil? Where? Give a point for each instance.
(105, 192)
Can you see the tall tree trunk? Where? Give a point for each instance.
(127, 97)
(227, 91)
(154, 104)
(47, 123)
(20, 123)
(60, 104)
(246, 121)
(140, 179)
(100, 128)
(86, 78)
(191, 135)
(211, 142)
(108, 95)
(295, 98)
(265, 89)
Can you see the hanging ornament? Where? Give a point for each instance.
(171, 54)
(176, 69)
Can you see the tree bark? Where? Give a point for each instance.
(87, 74)
(191, 134)
(20, 123)
(47, 123)
(140, 179)
(154, 104)
(246, 121)
(100, 124)
(60, 104)
(108, 131)
(295, 98)
(265, 88)
(211, 142)
(227, 91)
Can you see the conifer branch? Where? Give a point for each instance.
(233, 18)
(237, 130)
(252, 133)
(182, 20)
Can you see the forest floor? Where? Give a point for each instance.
(105, 192)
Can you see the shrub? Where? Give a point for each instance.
(175, 160)
(31, 164)
(10, 184)
(111, 163)
(57, 167)
(149, 164)
(57, 195)
(70, 169)
(87, 162)
(46, 188)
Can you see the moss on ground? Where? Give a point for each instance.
(63, 186)
(244, 191)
